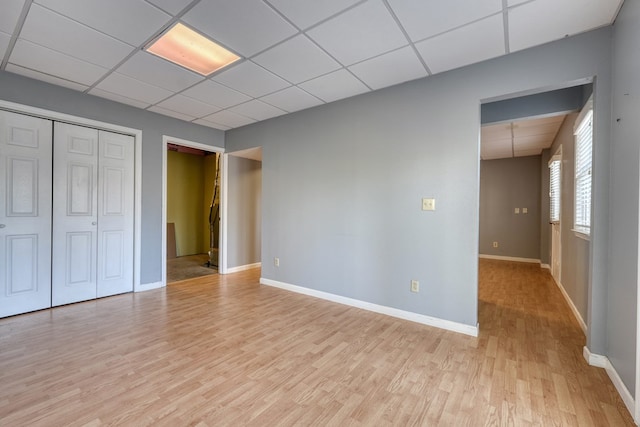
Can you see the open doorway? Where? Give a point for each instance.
(192, 177)
(523, 218)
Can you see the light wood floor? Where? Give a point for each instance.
(223, 350)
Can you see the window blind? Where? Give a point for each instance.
(584, 142)
(554, 191)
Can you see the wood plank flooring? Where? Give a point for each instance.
(224, 350)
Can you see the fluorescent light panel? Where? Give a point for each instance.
(189, 49)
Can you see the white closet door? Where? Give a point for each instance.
(75, 213)
(115, 214)
(25, 213)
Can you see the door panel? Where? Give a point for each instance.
(115, 219)
(25, 213)
(74, 214)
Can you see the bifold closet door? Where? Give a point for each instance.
(115, 213)
(92, 214)
(25, 213)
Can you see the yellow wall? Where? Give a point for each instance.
(185, 207)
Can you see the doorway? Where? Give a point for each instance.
(191, 209)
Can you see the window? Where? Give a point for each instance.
(554, 191)
(583, 149)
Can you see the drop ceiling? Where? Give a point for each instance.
(527, 137)
(295, 54)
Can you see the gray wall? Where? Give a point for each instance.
(34, 93)
(574, 273)
(342, 182)
(506, 184)
(244, 213)
(623, 194)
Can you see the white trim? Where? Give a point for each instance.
(148, 286)
(137, 134)
(179, 141)
(545, 266)
(510, 258)
(600, 361)
(574, 309)
(243, 267)
(224, 213)
(581, 235)
(389, 311)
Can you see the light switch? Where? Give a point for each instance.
(517, 210)
(525, 210)
(428, 204)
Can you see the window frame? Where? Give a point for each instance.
(583, 172)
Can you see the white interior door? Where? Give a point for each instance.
(75, 214)
(25, 213)
(115, 213)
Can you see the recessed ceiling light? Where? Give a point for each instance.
(189, 49)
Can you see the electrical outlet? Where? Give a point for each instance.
(495, 244)
(525, 210)
(276, 262)
(428, 204)
(516, 210)
(415, 286)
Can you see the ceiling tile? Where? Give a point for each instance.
(45, 78)
(389, 69)
(363, 32)
(188, 106)
(257, 110)
(569, 17)
(247, 26)
(32, 56)
(59, 33)
(229, 118)
(499, 131)
(4, 43)
(118, 98)
(307, 13)
(296, 60)
(11, 10)
(337, 85)
(497, 143)
(511, 3)
(170, 113)
(132, 21)
(422, 19)
(251, 79)
(133, 89)
(467, 45)
(538, 141)
(171, 6)
(158, 72)
(215, 93)
(292, 99)
(525, 153)
(211, 124)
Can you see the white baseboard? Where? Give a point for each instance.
(148, 286)
(600, 361)
(243, 268)
(510, 258)
(389, 311)
(575, 311)
(545, 266)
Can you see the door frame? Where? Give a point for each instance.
(137, 136)
(222, 259)
(557, 156)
